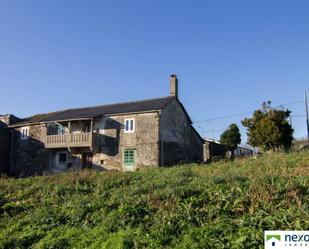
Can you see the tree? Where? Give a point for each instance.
(269, 128)
(231, 137)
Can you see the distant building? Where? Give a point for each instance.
(300, 144)
(213, 150)
(243, 152)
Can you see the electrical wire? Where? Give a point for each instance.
(242, 114)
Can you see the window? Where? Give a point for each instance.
(129, 125)
(62, 158)
(60, 129)
(129, 157)
(55, 129)
(24, 134)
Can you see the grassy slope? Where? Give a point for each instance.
(223, 205)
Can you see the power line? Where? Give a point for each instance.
(222, 129)
(222, 117)
(209, 131)
(242, 114)
(291, 103)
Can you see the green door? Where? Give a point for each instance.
(129, 159)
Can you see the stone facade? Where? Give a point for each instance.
(5, 150)
(5, 142)
(30, 156)
(214, 151)
(134, 135)
(111, 141)
(179, 142)
(160, 138)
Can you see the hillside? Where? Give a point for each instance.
(222, 205)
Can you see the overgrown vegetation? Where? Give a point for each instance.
(222, 205)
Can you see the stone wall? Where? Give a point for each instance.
(213, 151)
(111, 141)
(176, 141)
(5, 150)
(30, 156)
(5, 142)
(179, 142)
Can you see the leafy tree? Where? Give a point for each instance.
(269, 128)
(231, 137)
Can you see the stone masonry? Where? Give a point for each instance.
(161, 134)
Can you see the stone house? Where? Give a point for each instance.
(125, 136)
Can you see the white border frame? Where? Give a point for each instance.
(129, 131)
(22, 135)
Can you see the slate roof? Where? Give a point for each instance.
(91, 112)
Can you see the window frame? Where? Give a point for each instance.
(66, 158)
(131, 122)
(129, 157)
(24, 135)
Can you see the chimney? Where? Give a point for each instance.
(174, 85)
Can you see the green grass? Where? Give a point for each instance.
(222, 205)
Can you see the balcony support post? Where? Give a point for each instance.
(91, 132)
(91, 126)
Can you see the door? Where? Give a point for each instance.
(87, 160)
(129, 160)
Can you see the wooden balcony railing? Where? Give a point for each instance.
(69, 140)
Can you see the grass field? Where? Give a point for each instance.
(221, 205)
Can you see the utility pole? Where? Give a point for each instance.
(307, 119)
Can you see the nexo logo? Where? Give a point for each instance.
(297, 238)
(286, 239)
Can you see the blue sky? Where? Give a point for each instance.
(229, 56)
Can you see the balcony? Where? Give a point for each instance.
(69, 140)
